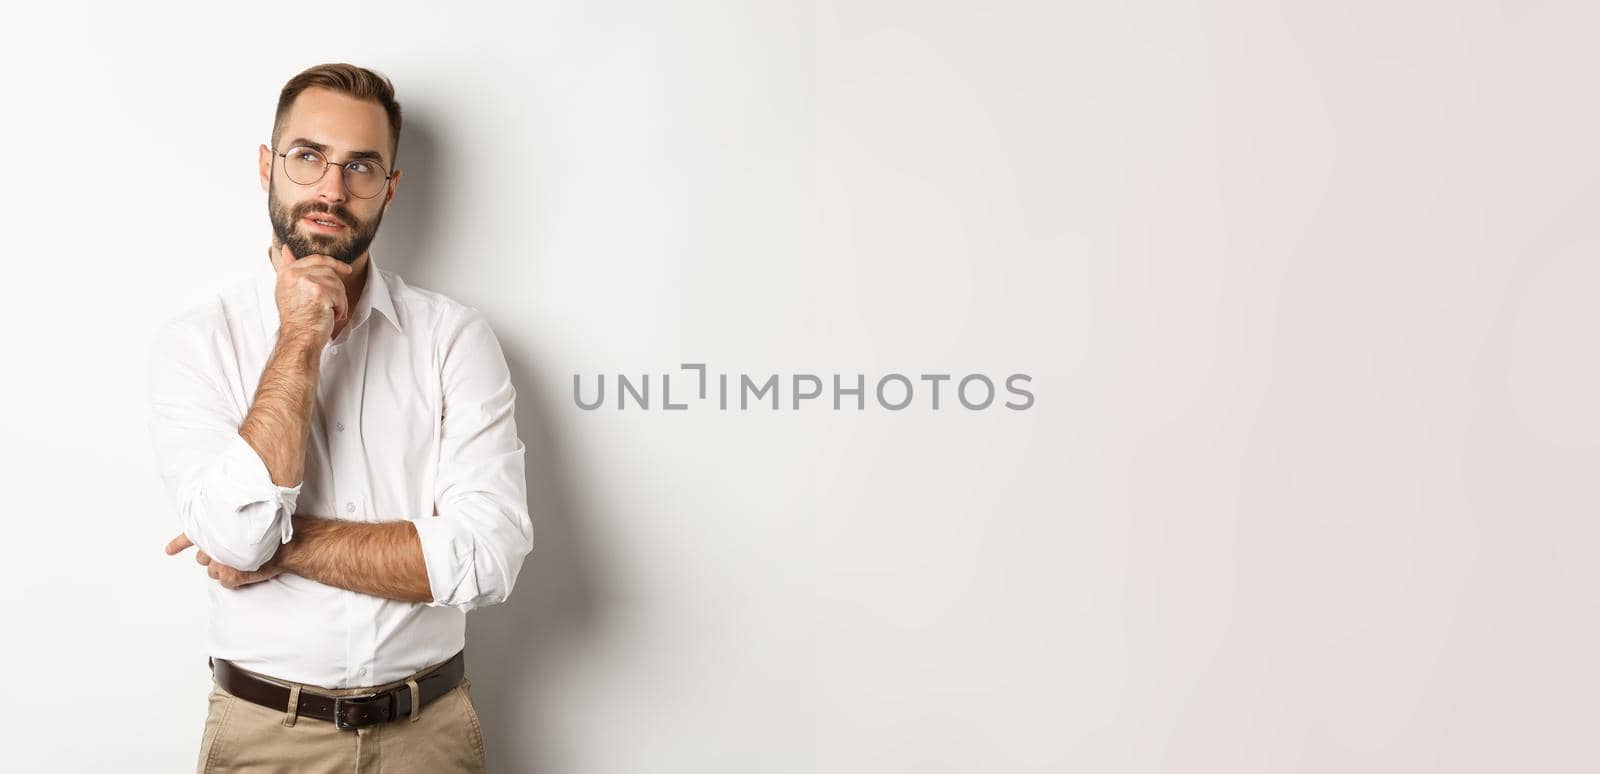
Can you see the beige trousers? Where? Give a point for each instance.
(242, 736)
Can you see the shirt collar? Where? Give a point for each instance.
(376, 296)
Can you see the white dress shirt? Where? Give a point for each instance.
(413, 420)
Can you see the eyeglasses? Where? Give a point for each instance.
(364, 178)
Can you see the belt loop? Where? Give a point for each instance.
(294, 705)
(416, 699)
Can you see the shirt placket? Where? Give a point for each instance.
(340, 391)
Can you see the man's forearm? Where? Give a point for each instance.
(383, 559)
(279, 423)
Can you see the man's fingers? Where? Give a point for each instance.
(321, 283)
(327, 273)
(232, 578)
(178, 544)
(333, 293)
(327, 282)
(312, 281)
(339, 302)
(202, 557)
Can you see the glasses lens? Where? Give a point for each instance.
(304, 165)
(364, 178)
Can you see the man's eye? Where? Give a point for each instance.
(308, 157)
(359, 166)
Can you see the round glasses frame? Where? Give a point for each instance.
(326, 163)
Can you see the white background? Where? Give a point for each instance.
(1306, 291)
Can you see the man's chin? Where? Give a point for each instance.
(323, 244)
(303, 248)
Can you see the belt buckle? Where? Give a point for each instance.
(339, 703)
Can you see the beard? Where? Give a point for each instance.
(346, 246)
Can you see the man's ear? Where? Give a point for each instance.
(264, 168)
(394, 185)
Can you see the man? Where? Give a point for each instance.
(343, 454)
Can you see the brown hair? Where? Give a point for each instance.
(357, 82)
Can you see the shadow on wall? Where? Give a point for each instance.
(406, 239)
(515, 648)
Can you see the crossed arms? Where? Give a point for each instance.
(236, 483)
(383, 559)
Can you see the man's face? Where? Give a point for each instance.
(341, 127)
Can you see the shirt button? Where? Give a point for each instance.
(350, 507)
(362, 672)
(339, 425)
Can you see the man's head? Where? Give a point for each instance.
(343, 115)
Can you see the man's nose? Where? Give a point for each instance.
(331, 187)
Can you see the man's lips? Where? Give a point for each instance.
(311, 222)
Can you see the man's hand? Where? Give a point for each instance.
(227, 576)
(310, 293)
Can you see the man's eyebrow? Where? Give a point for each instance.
(301, 142)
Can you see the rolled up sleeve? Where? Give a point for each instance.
(226, 500)
(475, 541)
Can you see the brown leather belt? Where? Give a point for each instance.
(346, 712)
